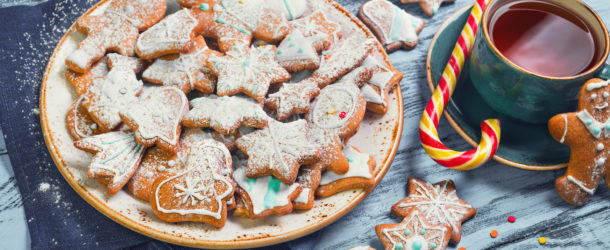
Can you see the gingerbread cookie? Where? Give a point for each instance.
(292, 98)
(279, 150)
(394, 27)
(116, 157)
(383, 80)
(414, 232)
(156, 118)
(82, 81)
(79, 122)
(318, 28)
(113, 92)
(262, 196)
(586, 132)
(187, 72)
(116, 29)
(170, 36)
(430, 7)
(247, 70)
(290, 9)
(296, 52)
(438, 202)
(359, 175)
(226, 113)
(201, 191)
(343, 58)
(309, 179)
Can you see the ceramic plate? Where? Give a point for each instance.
(522, 145)
(379, 135)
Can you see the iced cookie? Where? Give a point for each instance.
(414, 232)
(292, 98)
(383, 80)
(309, 179)
(200, 192)
(187, 72)
(226, 113)
(438, 202)
(430, 7)
(116, 157)
(297, 53)
(319, 28)
(247, 70)
(156, 118)
(82, 81)
(394, 27)
(359, 175)
(586, 132)
(116, 29)
(279, 149)
(79, 122)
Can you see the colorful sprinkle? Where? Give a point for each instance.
(331, 111)
(422, 231)
(542, 240)
(596, 130)
(511, 219)
(204, 6)
(432, 245)
(416, 245)
(342, 114)
(407, 232)
(326, 57)
(462, 248)
(493, 233)
(398, 246)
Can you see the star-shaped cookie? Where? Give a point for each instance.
(279, 150)
(292, 98)
(225, 114)
(247, 70)
(438, 202)
(414, 232)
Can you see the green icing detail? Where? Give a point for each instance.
(251, 183)
(117, 140)
(596, 130)
(350, 160)
(279, 52)
(588, 122)
(130, 159)
(608, 126)
(416, 245)
(396, 24)
(289, 10)
(115, 155)
(204, 6)
(422, 231)
(222, 21)
(245, 63)
(432, 245)
(273, 188)
(300, 50)
(398, 246)
(407, 232)
(291, 45)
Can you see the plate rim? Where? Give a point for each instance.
(258, 242)
(452, 121)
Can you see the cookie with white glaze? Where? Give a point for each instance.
(359, 175)
(414, 232)
(292, 98)
(309, 179)
(225, 113)
(384, 79)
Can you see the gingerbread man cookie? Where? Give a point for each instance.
(116, 157)
(187, 72)
(430, 7)
(359, 175)
(394, 27)
(82, 81)
(247, 70)
(414, 232)
(292, 98)
(226, 113)
(156, 118)
(438, 202)
(116, 29)
(586, 132)
(279, 149)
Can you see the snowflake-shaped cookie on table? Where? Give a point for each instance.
(279, 150)
(226, 113)
(293, 98)
(247, 70)
(438, 202)
(414, 232)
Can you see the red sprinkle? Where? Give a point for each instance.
(342, 114)
(511, 219)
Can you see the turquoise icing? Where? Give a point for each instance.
(272, 190)
(396, 24)
(204, 6)
(416, 245)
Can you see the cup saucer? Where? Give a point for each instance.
(522, 145)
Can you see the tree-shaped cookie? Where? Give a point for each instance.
(587, 133)
(414, 232)
(292, 98)
(116, 29)
(187, 72)
(225, 114)
(247, 70)
(279, 150)
(430, 7)
(116, 157)
(438, 202)
(156, 118)
(200, 192)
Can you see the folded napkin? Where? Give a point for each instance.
(57, 217)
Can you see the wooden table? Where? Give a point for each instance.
(495, 190)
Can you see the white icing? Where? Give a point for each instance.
(340, 97)
(414, 223)
(381, 79)
(595, 127)
(394, 23)
(171, 163)
(597, 85)
(581, 185)
(290, 9)
(358, 167)
(173, 32)
(600, 146)
(225, 111)
(296, 47)
(370, 95)
(303, 196)
(565, 129)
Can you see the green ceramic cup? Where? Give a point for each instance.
(524, 95)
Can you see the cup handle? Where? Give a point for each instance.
(605, 73)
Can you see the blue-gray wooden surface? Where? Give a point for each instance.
(497, 191)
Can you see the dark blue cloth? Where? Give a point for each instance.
(57, 217)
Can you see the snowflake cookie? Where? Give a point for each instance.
(414, 232)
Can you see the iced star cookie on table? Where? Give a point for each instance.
(430, 7)
(116, 29)
(83, 81)
(292, 98)
(247, 70)
(394, 27)
(262, 196)
(116, 157)
(279, 149)
(383, 80)
(587, 133)
(156, 118)
(438, 202)
(296, 52)
(309, 179)
(187, 72)
(359, 175)
(414, 232)
(225, 114)
(108, 95)
(318, 28)
(200, 191)
(171, 35)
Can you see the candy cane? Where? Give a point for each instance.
(490, 129)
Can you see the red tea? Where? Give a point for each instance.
(543, 38)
